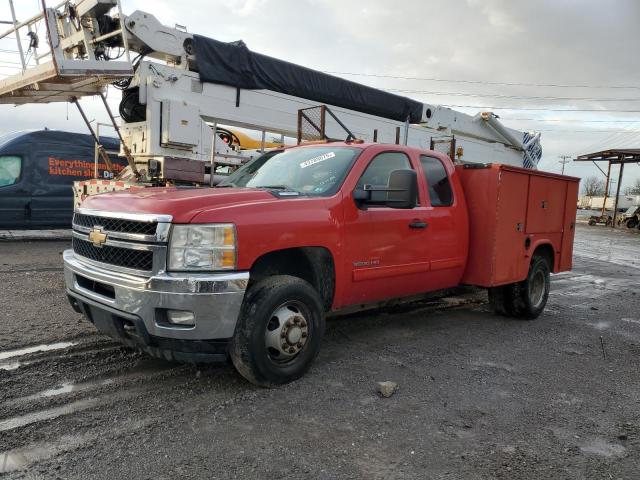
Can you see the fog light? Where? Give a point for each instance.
(180, 317)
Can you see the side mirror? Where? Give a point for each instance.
(401, 192)
(362, 195)
(403, 189)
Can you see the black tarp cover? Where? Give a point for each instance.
(235, 65)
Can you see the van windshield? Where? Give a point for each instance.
(313, 171)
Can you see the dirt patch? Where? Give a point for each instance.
(478, 396)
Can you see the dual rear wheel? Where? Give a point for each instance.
(525, 300)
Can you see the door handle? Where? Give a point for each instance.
(418, 224)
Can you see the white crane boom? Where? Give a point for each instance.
(167, 109)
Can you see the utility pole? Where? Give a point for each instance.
(564, 159)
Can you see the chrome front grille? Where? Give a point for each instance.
(120, 257)
(134, 243)
(115, 224)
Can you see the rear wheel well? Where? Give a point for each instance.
(546, 250)
(313, 264)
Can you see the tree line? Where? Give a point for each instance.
(594, 187)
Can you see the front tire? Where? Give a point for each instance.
(279, 331)
(524, 300)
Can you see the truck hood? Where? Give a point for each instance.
(182, 204)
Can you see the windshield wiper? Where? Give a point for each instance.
(226, 185)
(285, 189)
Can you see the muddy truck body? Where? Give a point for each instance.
(250, 269)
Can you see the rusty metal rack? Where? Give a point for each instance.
(312, 124)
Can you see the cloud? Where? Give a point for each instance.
(244, 8)
(541, 42)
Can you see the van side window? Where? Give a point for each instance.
(10, 170)
(380, 168)
(440, 191)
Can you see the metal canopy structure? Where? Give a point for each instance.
(614, 156)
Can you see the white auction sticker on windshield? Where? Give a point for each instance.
(318, 159)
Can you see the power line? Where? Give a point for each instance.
(634, 132)
(541, 109)
(567, 120)
(484, 82)
(611, 139)
(512, 97)
(519, 97)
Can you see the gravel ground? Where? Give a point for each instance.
(479, 397)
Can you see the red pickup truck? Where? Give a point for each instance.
(249, 269)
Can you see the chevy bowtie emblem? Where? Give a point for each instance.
(97, 237)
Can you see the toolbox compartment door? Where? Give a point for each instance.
(509, 237)
(570, 210)
(546, 206)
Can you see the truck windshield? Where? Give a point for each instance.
(314, 171)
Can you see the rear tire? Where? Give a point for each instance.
(279, 331)
(524, 300)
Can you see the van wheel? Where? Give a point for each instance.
(279, 331)
(525, 300)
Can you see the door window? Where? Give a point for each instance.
(378, 172)
(10, 170)
(440, 191)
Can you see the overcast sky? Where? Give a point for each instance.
(547, 42)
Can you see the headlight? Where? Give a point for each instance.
(203, 247)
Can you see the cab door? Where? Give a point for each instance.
(448, 225)
(386, 249)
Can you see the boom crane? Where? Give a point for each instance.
(176, 86)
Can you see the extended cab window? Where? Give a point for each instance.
(10, 170)
(378, 172)
(440, 191)
(313, 171)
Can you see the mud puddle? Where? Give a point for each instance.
(48, 414)
(79, 405)
(22, 458)
(147, 369)
(35, 349)
(10, 366)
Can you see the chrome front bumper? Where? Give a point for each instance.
(214, 299)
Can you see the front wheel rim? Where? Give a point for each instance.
(287, 332)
